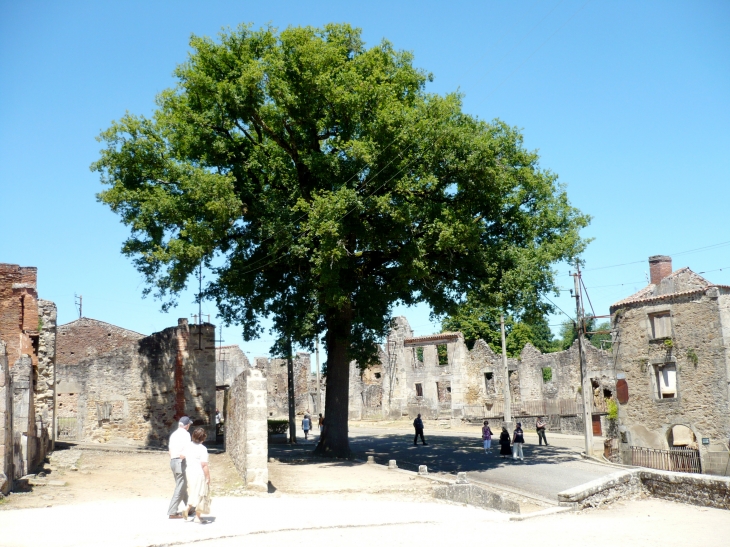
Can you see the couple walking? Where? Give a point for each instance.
(189, 464)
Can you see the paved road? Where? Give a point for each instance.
(544, 472)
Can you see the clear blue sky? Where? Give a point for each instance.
(628, 102)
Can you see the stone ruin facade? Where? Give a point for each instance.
(305, 386)
(118, 386)
(27, 373)
(672, 354)
(451, 382)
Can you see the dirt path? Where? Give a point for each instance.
(105, 475)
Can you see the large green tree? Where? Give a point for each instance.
(322, 183)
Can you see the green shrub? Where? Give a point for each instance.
(612, 409)
(547, 374)
(277, 426)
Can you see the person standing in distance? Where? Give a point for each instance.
(306, 425)
(518, 439)
(504, 448)
(540, 426)
(487, 437)
(418, 424)
(179, 441)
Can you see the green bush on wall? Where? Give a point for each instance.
(277, 426)
(612, 408)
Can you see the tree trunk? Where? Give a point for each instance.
(334, 441)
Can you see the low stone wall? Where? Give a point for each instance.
(694, 489)
(474, 495)
(246, 428)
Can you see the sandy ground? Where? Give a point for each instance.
(120, 499)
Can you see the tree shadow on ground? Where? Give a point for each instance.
(450, 454)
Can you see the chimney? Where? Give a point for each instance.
(660, 266)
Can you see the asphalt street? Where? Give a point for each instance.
(545, 471)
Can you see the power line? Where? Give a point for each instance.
(705, 248)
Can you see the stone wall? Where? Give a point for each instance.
(88, 337)
(136, 393)
(409, 380)
(277, 385)
(6, 423)
(687, 488)
(246, 428)
(25, 443)
(697, 349)
(28, 328)
(46, 371)
(230, 363)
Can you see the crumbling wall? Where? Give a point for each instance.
(28, 327)
(137, 392)
(6, 423)
(277, 385)
(25, 441)
(246, 428)
(88, 337)
(46, 375)
(230, 363)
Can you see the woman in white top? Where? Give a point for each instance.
(197, 474)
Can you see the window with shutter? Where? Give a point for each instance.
(666, 381)
(661, 326)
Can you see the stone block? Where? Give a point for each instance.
(392, 464)
(423, 470)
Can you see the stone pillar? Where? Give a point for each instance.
(257, 471)
(24, 437)
(6, 424)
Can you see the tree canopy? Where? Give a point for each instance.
(321, 183)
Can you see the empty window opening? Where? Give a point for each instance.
(443, 354)
(443, 389)
(419, 354)
(377, 375)
(419, 390)
(489, 382)
(547, 375)
(666, 380)
(607, 394)
(661, 326)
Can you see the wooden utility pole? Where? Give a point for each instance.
(585, 383)
(507, 391)
(290, 385)
(319, 395)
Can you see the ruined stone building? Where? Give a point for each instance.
(440, 378)
(119, 386)
(672, 352)
(27, 369)
(277, 385)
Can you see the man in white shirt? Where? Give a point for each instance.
(179, 440)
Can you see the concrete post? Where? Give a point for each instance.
(584, 380)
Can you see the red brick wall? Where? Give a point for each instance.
(87, 337)
(18, 311)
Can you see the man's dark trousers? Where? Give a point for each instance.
(541, 436)
(415, 439)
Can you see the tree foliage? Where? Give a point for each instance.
(569, 333)
(476, 321)
(322, 183)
